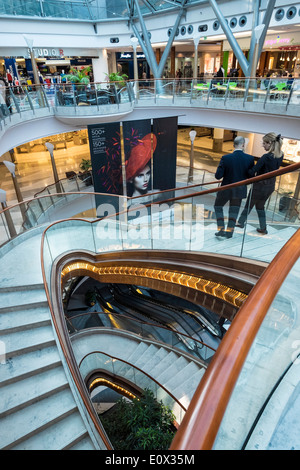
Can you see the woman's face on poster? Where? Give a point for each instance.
(141, 180)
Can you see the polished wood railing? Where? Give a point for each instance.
(201, 423)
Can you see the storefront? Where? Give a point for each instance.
(51, 62)
(125, 64)
(280, 54)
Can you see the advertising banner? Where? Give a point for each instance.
(165, 153)
(138, 142)
(105, 150)
(106, 159)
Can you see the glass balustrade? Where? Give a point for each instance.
(179, 219)
(174, 338)
(261, 405)
(115, 367)
(261, 94)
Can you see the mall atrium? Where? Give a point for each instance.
(114, 276)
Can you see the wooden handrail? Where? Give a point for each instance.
(201, 423)
(138, 369)
(64, 341)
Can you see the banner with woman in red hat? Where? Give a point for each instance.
(138, 142)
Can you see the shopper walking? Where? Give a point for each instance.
(262, 190)
(232, 168)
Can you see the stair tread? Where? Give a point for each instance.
(57, 436)
(24, 317)
(20, 298)
(175, 366)
(29, 420)
(16, 342)
(31, 388)
(28, 363)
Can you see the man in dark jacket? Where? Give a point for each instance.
(232, 168)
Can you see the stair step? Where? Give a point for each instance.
(59, 436)
(165, 363)
(18, 343)
(26, 365)
(21, 288)
(154, 360)
(175, 366)
(146, 356)
(22, 297)
(19, 426)
(24, 318)
(178, 381)
(138, 351)
(83, 444)
(29, 390)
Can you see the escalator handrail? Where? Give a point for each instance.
(201, 423)
(121, 315)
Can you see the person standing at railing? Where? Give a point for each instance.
(232, 168)
(262, 190)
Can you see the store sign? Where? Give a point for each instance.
(277, 41)
(129, 55)
(47, 52)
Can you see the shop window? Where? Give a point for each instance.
(291, 13)
(279, 14)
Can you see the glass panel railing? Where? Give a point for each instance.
(186, 222)
(257, 416)
(110, 97)
(174, 338)
(117, 368)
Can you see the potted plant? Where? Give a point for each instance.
(85, 173)
(117, 81)
(80, 78)
(116, 77)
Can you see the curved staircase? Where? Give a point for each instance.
(38, 409)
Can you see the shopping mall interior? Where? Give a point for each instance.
(117, 282)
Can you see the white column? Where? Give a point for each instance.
(218, 140)
(100, 66)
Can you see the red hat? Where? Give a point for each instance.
(139, 156)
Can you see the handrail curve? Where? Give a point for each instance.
(200, 425)
(68, 354)
(140, 370)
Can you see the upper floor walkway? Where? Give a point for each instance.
(248, 105)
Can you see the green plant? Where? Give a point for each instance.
(85, 165)
(79, 76)
(142, 424)
(116, 77)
